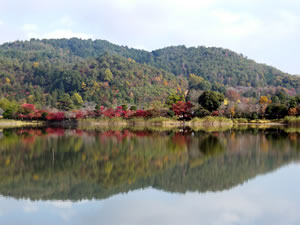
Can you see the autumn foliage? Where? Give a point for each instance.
(182, 109)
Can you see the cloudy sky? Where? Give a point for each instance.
(267, 31)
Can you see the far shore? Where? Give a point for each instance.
(155, 122)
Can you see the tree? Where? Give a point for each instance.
(108, 76)
(201, 112)
(183, 109)
(133, 108)
(172, 99)
(293, 112)
(211, 100)
(264, 101)
(194, 80)
(125, 107)
(233, 95)
(77, 100)
(204, 85)
(65, 102)
(276, 111)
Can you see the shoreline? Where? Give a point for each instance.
(6, 123)
(156, 122)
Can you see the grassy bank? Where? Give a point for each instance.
(205, 123)
(292, 120)
(210, 121)
(4, 123)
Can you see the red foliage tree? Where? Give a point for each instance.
(233, 95)
(215, 113)
(141, 113)
(183, 109)
(58, 116)
(80, 115)
(27, 108)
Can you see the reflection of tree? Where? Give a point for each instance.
(72, 164)
(210, 146)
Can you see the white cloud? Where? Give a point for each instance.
(243, 26)
(1, 22)
(66, 34)
(236, 25)
(61, 204)
(30, 207)
(66, 21)
(29, 27)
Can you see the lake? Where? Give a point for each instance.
(134, 176)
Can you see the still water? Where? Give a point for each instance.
(139, 176)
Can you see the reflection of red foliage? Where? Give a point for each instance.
(119, 135)
(79, 132)
(179, 140)
(141, 133)
(28, 140)
(36, 132)
(56, 131)
(215, 134)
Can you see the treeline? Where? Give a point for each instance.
(209, 103)
(46, 72)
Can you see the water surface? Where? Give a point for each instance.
(137, 176)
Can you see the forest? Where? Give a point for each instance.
(68, 75)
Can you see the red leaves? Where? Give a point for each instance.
(118, 112)
(141, 113)
(58, 116)
(27, 108)
(183, 109)
(215, 113)
(29, 112)
(79, 115)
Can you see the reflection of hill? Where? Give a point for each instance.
(59, 164)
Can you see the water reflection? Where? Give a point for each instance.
(71, 164)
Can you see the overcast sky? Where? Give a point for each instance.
(267, 31)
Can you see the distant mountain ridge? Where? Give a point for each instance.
(39, 63)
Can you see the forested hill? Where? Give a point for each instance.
(44, 64)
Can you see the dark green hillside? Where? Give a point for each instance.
(108, 80)
(40, 71)
(221, 65)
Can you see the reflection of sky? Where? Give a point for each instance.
(270, 199)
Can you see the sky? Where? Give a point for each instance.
(251, 203)
(267, 31)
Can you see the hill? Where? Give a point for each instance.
(41, 70)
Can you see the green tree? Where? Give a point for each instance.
(276, 111)
(172, 99)
(211, 100)
(108, 76)
(201, 112)
(65, 102)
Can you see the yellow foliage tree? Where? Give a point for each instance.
(36, 64)
(7, 80)
(83, 85)
(264, 100)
